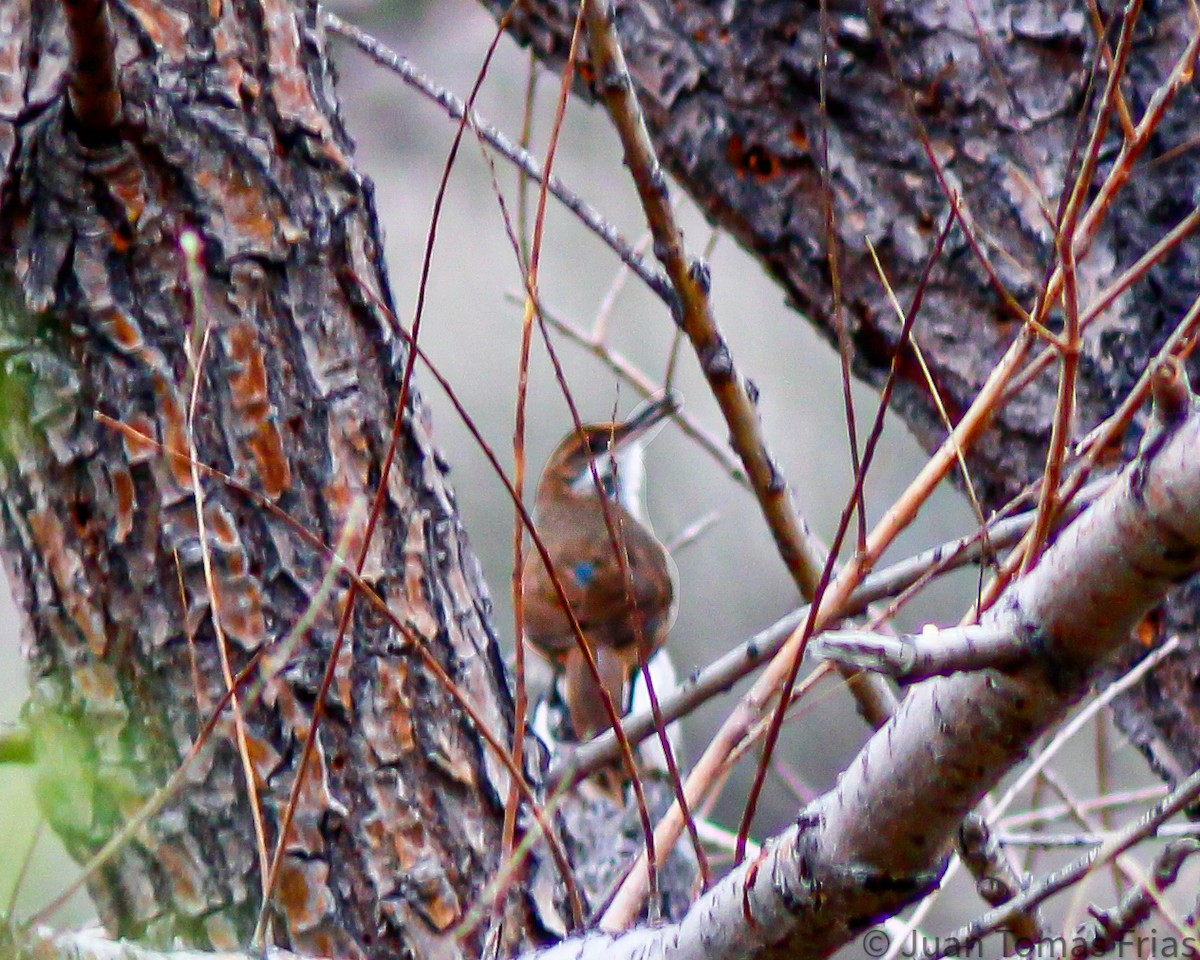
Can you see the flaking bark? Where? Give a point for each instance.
(229, 127)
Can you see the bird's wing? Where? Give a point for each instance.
(601, 593)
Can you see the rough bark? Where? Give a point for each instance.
(229, 126)
(731, 92)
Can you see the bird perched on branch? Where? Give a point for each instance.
(618, 579)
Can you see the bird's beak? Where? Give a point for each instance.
(644, 419)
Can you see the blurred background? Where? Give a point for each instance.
(732, 582)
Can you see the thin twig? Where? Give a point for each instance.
(785, 669)
(529, 264)
(624, 368)
(801, 554)
(456, 110)
(833, 259)
(1044, 813)
(196, 347)
(1179, 798)
(1051, 841)
(1110, 929)
(744, 658)
(1077, 722)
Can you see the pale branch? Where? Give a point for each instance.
(1177, 800)
(1049, 813)
(934, 652)
(1054, 841)
(1109, 929)
(743, 659)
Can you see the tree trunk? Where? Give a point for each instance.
(998, 94)
(229, 127)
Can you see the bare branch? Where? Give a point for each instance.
(522, 159)
(1052, 841)
(933, 652)
(801, 553)
(1179, 798)
(747, 656)
(1111, 928)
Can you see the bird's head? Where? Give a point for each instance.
(616, 450)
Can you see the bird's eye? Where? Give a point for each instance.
(598, 443)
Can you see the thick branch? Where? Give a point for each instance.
(918, 656)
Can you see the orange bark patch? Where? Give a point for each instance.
(175, 437)
(127, 185)
(248, 385)
(166, 28)
(303, 893)
(241, 610)
(251, 400)
(137, 449)
(273, 468)
(126, 497)
(221, 531)
(242, 204)
(125, 332)
(438, 902)
(749, 159)
(264, 759)
(289, 86)
(389, 728)
(66, 568)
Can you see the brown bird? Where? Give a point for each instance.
(624, 608)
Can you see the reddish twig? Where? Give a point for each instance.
(92, 89)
